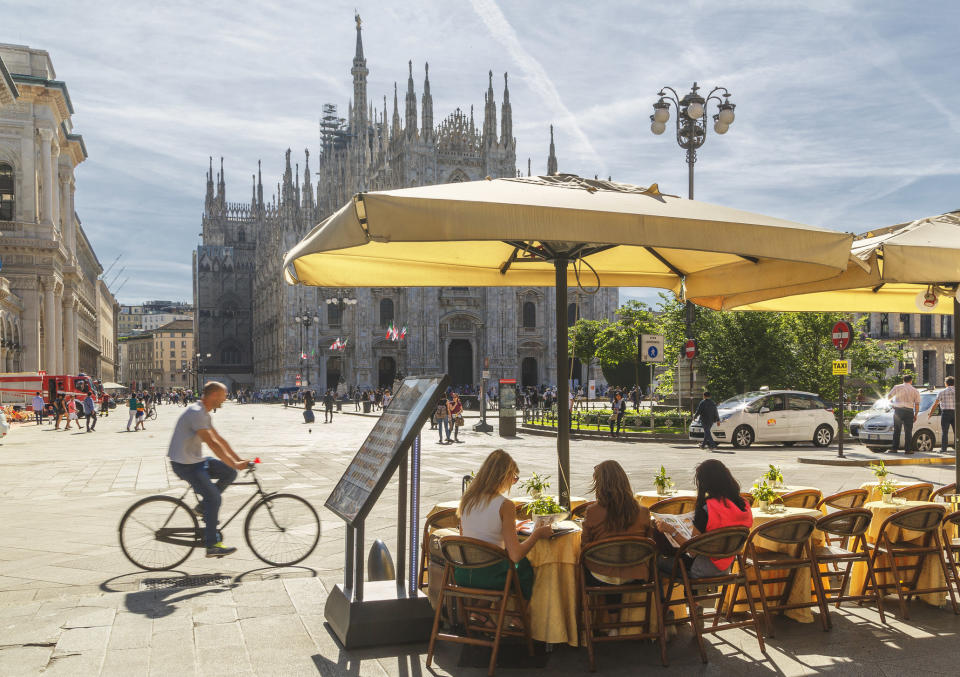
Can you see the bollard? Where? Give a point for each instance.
(380, 563)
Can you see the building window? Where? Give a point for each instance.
(573, 314)
(945, 328)
(926, 326)
(904, 324)
(529, 315)
(386, 312)
(173, 365)
(884, 325)
(333, 315)
(6, 192)
(230, 356)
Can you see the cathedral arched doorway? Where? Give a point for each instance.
(460, 362)
(333, 373)
(387, 372)
(576, 371)
(529, 374)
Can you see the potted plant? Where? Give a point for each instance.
(774, 476)
(763, 494)
(544, 510)
(536, 485)
(886, 488)
(879, 470)
(662, 482)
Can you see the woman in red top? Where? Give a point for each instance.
(718, 505)
(456, 416)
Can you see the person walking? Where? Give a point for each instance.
(328, 406)
(59, 410)
(456, 416)
(141, 415)
(947, 399)
(442, 415)
(906, 405)
(616, 418)
(105, 405)
(89, 413)
(132, 407)
(708, 415)
(38, 406)
(286, 399)
(71, 412)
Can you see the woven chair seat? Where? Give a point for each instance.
(834, 551)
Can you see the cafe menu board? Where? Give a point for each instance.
(371, 468)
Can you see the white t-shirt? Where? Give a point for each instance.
(483, 522)
(185, 444)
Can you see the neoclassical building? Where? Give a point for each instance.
(247, 317)
(53, 309)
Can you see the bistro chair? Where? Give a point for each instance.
(905, 559)
(442, 519)
(801, 498)
(580, 511)
(943, 492)
(793, 534)
(676, 505)
(508, 603)
(845, 500)
(748, 498)
(716, 544)
(848, 526)
(915, 492)
(620, 553)
(951, 548)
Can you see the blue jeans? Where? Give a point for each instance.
(200, 476)
(708, 440)
(443, 423)
(948, 419)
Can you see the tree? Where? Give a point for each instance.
(583, 339)
(618, 343)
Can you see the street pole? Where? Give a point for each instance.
(840, 423)
(563, 388)
(956, 373)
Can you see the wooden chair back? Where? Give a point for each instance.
(676, 505)
(844, 500)
(944, 492)
(802, 498)
(581, 510)
(442, 519)
(748, 497)
(915, 492)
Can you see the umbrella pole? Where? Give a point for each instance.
(956, 374)
(563, 388)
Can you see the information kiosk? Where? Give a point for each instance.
(508, 407)
(363, 613)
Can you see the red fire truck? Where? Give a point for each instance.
(20, 387)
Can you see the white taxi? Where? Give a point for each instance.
(785, 416)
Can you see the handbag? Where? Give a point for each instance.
(459, 419)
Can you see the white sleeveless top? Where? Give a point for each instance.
(483, 522)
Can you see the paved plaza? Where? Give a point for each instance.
(70, 603)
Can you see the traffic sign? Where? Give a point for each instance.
(651, 347)
(841, 367)
(842, 335)
(690, 349)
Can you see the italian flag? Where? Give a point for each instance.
(403, 333)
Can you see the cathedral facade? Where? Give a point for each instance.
(253, 330)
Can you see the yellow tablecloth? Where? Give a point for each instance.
(802, 590)
(553, 605)
(931, 575)
(874, 491)
(648, 498)
(575, 502)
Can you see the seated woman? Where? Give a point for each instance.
(488, 515)
(615, 513)
(718, 505)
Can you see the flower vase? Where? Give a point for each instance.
(888, 498)
(764, 505)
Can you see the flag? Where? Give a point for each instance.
(403, 332)
(344, 344)
(303, 356)
(335, 345)
(389, 335)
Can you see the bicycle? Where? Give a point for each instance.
(160, 532)
(152, 413)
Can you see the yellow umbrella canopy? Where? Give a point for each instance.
(890, 270)
(528, 232)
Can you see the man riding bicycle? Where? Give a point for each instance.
(186, 458)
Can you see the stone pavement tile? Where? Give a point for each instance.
(218, 635)
(205, 615)
(89, 617)
(16, 596)
(76, 640)
(126, 662)
(308, 595)
(279, 645)
(73, 664)
(23, 609)
(21, 661)
(173, 653)
(29, 631)
(224, 662)
(331, 659)
(130, 631)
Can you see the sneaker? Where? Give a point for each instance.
(198, 510)
(220, 550)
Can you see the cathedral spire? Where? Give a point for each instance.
(253, 194)
(221, 187)
(489, 116)
(426, 130)
(286, 192)
(395, 132)
(552, 158)
(259, 186)
(359, 72)
(208, 202)
(307, 203)
(410, 119)
(506, 117)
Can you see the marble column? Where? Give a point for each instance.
(70, 336)
(55, 184)
(46, 175)
(66, 213)
(50, 327)
(58, 331)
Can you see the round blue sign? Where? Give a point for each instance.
(652, 351)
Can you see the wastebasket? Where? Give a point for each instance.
(366, 406)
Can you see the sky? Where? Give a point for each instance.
(848, 113)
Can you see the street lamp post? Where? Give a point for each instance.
(305, 319)
(199, 358)
(691, 125)
(341, 302)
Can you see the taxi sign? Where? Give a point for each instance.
(841, 367)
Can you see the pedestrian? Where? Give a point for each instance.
(105, 405)
(906, 405)
(286, 399)
(456, 416)
(71, 412)
(859, 399)
(38, 408)
(141, 415)
(442, 415)
(90, 413)
(616, 418)
(328, 406)
(947, 399)
(132, 406)
(708, 415)
(59, 410)
(308, 400)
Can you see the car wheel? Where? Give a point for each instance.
(823, 436)
(923, 441)
(742, 437)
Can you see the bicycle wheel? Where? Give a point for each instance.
(282, 529)
(153, 414)
(158, 532)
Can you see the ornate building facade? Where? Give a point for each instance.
(262, 333)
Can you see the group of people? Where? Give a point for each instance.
(486, 513)
(905, 400)
(68, 408)
(448, 416)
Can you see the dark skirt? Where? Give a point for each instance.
(494, 577)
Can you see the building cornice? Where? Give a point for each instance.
(8, 88)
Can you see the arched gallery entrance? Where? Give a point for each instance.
(529, 375)
(460, 362)
(333, 373)
(387, 372)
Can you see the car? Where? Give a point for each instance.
(786, 416)
(874, 427)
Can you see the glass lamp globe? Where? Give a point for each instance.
(720, 128)
(726, 115)
(695, 110)
(657, 127)
(661, 112)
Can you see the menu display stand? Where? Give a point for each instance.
(360, 613)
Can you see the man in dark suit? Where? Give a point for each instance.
(708, 415)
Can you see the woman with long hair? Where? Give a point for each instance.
(455, 417)
(615, 513)
(719, 505)
(488, 515)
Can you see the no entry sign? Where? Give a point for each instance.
(690, 349)
(842, 335)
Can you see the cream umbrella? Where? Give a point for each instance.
(559, 231)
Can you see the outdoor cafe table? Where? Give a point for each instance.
(873, 489)
(931, 575)
(575, 502)
(802, 584)
(648, 498)
(788, 488)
